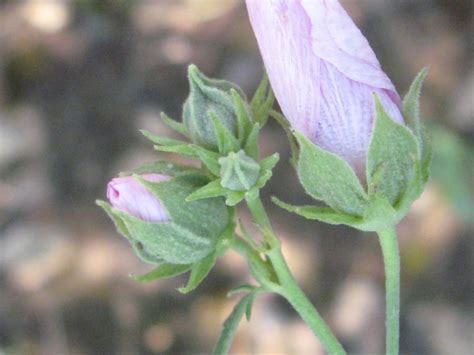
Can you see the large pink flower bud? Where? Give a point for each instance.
(323, 73)
(130, 196)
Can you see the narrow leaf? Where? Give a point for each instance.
(161, 140)
(184, 149)
(230, 326)
(247, 288)
(199, 272)
(269, 162)
(164, 271)
(209, 159)
(251, 145)
(411, 104)
(174, 125)
(225, 139)
(322, 214)
(244, 122)
(213, 189)
(234, 197)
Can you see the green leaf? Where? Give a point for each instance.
(163, 271)
(262, 101)
(234, 197)
(225, 139)
(248, 308)
(209, 159)
(392, 157)
(247, 288)
(199, 272)
(161, 140)
(244, 122)
(162, 167)
(269, 162)
(120, 225)
(184, 149)
(323, 214)
(251, 145)
(328, 178)
(230, 326)
(174, 125)
(213, 189)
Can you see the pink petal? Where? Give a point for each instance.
(323, 73)
(130, 196)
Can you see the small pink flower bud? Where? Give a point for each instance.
(130, 196)
(323, 73)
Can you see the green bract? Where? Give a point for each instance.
(397, 170)
(208, 97)
(191, 235)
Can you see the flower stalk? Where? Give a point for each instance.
(287, 286)
(391, 256)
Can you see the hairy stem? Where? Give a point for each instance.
(389, 243)
(288, 287)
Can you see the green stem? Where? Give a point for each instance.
(295, 296)
(288, 287)
(389, 243)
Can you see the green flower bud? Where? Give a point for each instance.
(206, 96)
(188, 234)
(238, 171)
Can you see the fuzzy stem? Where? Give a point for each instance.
(288, 287)
(389, 244)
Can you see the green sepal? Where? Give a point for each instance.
(411, 113)
(328, 178)
(231, 324)
(193, 231)
(174, 125)
(207, 218)
(199, 272)
(226, 141)
(124, 231)
(392, 157)
(169, 241)
(262, 101)
(411, 104)
(163, 271)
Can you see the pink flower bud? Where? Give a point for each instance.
(130, 196)
(323, 73)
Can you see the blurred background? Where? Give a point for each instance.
(77, 81)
